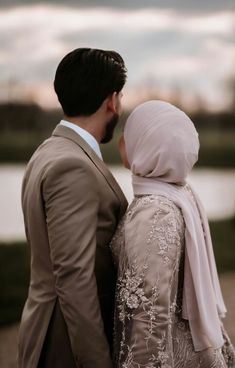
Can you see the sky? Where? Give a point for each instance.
(180, 47)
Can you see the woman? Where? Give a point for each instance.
(168, 300)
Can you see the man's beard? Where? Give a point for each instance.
(109, 129)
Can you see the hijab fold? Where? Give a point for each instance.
(162, 146)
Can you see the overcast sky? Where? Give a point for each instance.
(188, 47)
(181, 5)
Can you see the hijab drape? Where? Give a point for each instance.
(162, 147)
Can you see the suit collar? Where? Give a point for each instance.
(63, 131)
(85, 135)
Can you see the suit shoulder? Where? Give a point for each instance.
(58, 156)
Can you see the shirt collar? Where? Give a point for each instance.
(85, 135)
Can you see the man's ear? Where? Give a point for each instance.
(112, 102)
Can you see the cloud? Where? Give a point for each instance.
(76, 19)
(194, 52)
(183, 6)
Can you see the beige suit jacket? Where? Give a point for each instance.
(71, 205)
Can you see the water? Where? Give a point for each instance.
(215, 187)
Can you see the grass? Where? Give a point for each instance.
(14, 276)
(14, 268)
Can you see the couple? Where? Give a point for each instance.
(139, 285)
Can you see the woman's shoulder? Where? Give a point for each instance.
(153, 205)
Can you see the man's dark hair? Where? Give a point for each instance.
(86, 77)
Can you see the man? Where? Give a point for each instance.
(72, 205)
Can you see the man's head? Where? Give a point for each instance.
(86, 77)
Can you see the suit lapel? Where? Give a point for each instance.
(63, 131)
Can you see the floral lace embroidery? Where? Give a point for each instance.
(138, 301)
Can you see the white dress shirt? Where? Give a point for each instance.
(85, 135)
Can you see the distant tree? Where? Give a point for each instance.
(17, 116)
(232, 91)
(27, 117)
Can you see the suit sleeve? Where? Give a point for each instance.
(71, 205)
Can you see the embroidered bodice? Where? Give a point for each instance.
(148, 250)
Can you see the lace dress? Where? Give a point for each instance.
(148, 250)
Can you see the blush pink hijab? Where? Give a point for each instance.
(162, 147)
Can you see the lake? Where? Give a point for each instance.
(215, 187)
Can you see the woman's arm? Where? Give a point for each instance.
(147, 285)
